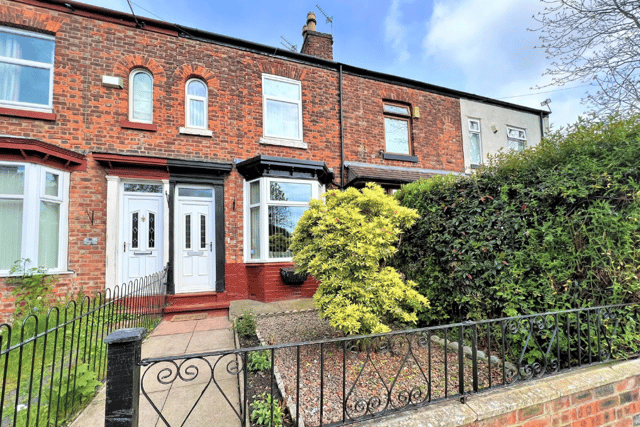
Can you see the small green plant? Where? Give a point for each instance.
(259, 360)
(32, 288)
(261, 414)
(246, 325)
(74, 387)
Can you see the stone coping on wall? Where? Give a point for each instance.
(484, 406)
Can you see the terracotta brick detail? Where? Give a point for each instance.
(619, 406)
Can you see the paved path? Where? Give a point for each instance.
(175, 400)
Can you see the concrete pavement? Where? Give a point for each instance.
(174, 337)
(175, 399)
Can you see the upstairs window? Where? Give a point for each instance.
(475, 142)
(516, 138)
(282, 107)
(33, 214)
(141, 96)
(196, 104)
(26, 70)
(397, 128)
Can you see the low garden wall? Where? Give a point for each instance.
(604, 395)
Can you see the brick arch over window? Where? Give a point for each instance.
(31, 20)
(128, 63)
(182, 75)
(396, 94)
(284, 70)
(189, 71)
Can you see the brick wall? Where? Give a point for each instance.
(89, 116)
(436, 138)
(596, 396)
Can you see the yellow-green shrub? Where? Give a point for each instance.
(344, 242)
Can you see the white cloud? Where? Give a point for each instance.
(395, 32)
(489, 43)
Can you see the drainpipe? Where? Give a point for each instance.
(341, 136)
(541, 125)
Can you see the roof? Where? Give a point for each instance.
(359, 175)
(176, 30)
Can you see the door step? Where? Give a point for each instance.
(197, 302)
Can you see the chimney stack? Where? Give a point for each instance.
(316, 43)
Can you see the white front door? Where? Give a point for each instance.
(141, 236)
(195, 243)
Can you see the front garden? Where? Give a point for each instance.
(545, 241)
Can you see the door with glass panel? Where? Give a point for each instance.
(195, 243)
(142, 231)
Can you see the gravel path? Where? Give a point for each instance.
(378, 374)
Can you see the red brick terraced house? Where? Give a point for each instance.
(128, 144)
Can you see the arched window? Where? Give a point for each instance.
(196, 104)
(141, 96)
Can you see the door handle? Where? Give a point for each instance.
(210, 246)
(125, 246)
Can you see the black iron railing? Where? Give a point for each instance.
(50, 362)
(344, 380)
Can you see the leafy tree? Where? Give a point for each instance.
(595, 41)
(344, 242)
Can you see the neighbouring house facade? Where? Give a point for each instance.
(488, 129)
(129, 144)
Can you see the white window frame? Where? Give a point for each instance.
(131, 98)
(35, 64)
(398, 117)
(187, 107)
(265, 202)
(516, 138)
(34, 193)
(475, 132)
(278, 139)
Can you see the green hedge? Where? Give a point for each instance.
(550, 228)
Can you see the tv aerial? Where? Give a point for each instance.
(327, 17)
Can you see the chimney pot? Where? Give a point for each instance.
(304, 31)
(311, 21)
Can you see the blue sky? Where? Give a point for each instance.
(477, 46)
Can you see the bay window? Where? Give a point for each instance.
(274, 207)
(26, 70)
(33, 214)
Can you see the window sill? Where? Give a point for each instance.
(283, 142)
(28, 114)
(195, 131)
(5, 274)
(126, 124)
(269, 261)
(400, 157)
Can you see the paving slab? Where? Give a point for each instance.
(148, 416)
(171, 390)
(165, 345)
(172, 328)
(211, 410)
(238, 308)
(211, 340)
